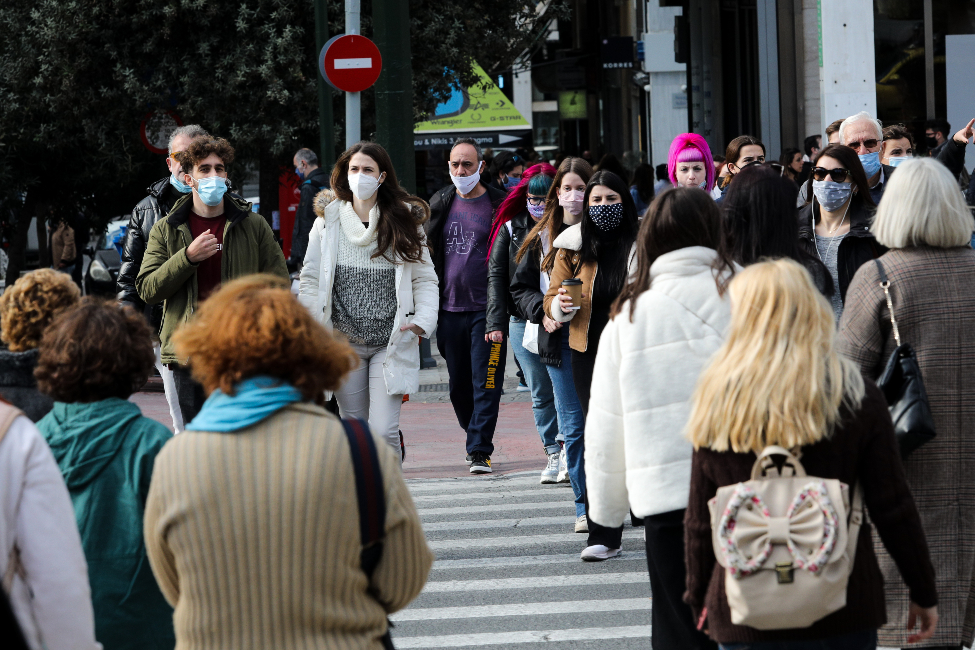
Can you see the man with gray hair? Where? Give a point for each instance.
(163, 194)
(313, 180)
(459, 234)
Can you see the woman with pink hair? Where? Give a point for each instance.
(690, 163)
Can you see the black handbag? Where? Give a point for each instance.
(903, 388)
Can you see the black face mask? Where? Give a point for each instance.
(931, 141)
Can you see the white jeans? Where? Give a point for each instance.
(363, 395)
(169, 384)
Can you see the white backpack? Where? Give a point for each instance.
(786, 542)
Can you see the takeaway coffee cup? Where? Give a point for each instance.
(573, 289)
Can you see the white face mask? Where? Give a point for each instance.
(465, 184)
(363, 186)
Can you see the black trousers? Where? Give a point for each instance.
(583, 364)
(476, 371)
(189, 393)
(672, 622)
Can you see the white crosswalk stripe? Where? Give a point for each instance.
(508, 572)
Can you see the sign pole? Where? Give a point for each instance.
(326, 154)
(353, 101)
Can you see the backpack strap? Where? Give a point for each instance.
(369, 490)
(856, 520)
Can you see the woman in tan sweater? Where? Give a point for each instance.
(252, 519)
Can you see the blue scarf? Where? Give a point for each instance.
(256, 398)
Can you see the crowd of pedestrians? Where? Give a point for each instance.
(691, 345)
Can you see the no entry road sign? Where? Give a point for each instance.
(350, 62)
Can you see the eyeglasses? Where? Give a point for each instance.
(839, 174)
(174, 154)
(869, 144)
(536, 201)
(779, 167)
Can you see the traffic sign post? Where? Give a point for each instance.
(351, 63)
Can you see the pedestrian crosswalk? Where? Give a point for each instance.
(508, 572)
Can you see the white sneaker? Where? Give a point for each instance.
(551, 472)
(563, 476)
(598, 553)
(582, 524)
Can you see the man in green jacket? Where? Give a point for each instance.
(206, 239)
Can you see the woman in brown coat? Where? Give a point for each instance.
(923, 220)
(779, 380)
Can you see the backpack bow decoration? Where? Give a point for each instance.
(747, 531)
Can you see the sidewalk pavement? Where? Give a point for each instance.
(435, 443)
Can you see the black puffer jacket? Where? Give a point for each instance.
(18, 386)
(528, 297)
(501, 268)
(440, 204)
(162, 196)
(856, 249)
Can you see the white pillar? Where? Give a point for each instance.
(522, 89)
(668, 81)
(847, 74)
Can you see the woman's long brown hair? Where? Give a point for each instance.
(398, 236)
(678, 218)
(551, 220)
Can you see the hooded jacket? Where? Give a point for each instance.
(160, 199)
(168, 276)
(106, 451)
(18, 386)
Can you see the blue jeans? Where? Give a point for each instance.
(866, 640)
(543, 399)
(572, 424)
(476, 370)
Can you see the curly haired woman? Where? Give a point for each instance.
(250, 509)
(26, 309)
(92, 358)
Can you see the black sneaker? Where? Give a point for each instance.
(481, 463)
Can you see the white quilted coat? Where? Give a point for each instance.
(417, 299)
(636, 454)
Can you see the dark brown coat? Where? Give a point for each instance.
(933, 292)
(861, 452)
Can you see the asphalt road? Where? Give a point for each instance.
(508, 572)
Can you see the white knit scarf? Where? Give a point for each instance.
(353, 227)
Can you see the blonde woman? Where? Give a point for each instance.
(779, 380)
(924, 221)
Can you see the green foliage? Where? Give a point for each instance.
(77, 77)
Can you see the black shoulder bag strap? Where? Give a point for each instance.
(371, 496)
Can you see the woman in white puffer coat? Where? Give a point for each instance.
(664, 327)
(367, 273)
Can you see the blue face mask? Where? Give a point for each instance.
(180, 186)
(211, 190)
(511, 183)
(870, 162)
(896, 160)
(298, 173)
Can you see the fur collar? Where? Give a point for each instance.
(570, 239)
(352, 226)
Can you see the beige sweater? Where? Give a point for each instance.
(254, 538)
